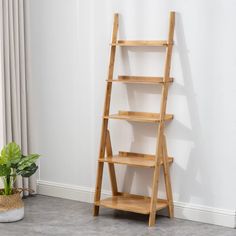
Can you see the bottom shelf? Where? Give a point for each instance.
(132, 203)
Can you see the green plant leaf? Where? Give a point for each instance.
(11, 154)
(27, 161)
(3, 160)
(12, 160)
(5, 170)
(28, 171)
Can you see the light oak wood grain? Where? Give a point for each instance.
(160, 134)
(140, 80)
(134, 159)
(132, 203)
(105, 113)
(127, 201)
(142, 43)
(145, 117)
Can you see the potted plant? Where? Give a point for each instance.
(12, 164)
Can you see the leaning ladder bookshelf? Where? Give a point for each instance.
(126, 201)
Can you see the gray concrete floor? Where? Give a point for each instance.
(54, 216)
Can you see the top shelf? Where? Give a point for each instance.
(143, 43)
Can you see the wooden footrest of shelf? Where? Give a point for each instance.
(139, 116)
(132, 203)
(133, 159)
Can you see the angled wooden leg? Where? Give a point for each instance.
(105, 121)
(98, 187)
(166, 171)
(111, 166)
(159, 152)
(155, 181)
(152, 216)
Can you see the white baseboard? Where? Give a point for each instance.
(182, 210)
(67, 191)
(205, 214)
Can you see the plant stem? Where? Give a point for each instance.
(7, 185)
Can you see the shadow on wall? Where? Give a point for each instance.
(185, 178)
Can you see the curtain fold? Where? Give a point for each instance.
(16, 74)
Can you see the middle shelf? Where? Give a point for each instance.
(146, 117)
(133, 159)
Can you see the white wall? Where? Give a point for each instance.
(70, 58)
(62, 90)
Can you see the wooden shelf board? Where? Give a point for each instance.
(132, 203)
(139, 116)
(140, 80)
(133, 159)
(142, 43)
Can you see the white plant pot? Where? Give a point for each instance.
(11, 207)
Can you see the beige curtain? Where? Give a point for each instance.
(15, 75)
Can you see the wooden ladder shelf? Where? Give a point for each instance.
(124, 201)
